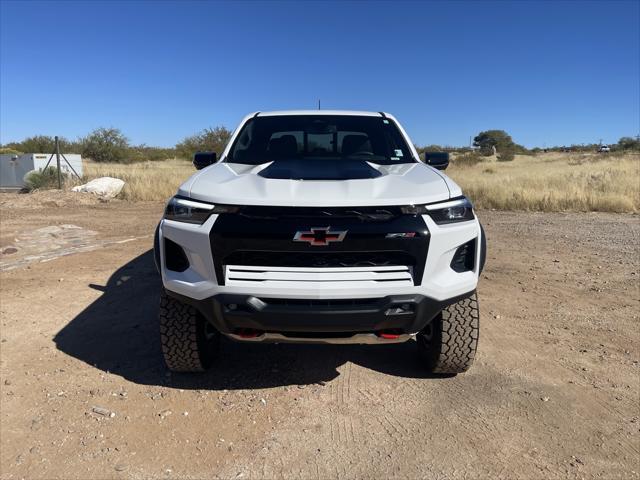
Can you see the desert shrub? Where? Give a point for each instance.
(506, 155)
(142, 153)
(43, 179)
(467, 159)
(629, 143)
(428, 148)
(9, 151)
(522, 150)
(43, 144)
(106, 145)
(152, 154)
(208, 140)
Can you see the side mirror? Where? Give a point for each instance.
(439, 160)
(203, 159)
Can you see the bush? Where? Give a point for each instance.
(106, 145)
(628, 143)
(467, 159)
(506, 155)
(209, 140)
(42, 144)
(43, 179)
(428, 148)
(486, 150)
(9, 151)
(152, 154)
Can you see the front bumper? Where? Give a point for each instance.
(328, 321)
(436, 279)
(291, 299)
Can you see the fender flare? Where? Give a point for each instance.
(483, 248)
(156, 248)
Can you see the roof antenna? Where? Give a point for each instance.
(319, 104)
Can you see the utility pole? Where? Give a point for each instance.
(318, 104)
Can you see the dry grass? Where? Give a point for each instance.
(547, 182)
(554, 182)
(144, 181)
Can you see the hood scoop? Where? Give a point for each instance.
(311, 169)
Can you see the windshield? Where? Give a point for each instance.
(320, 137)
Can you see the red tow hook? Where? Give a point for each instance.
(389, 336)
(248, 333)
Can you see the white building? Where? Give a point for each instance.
(13, 167)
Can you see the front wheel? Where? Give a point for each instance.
(449, 343)
(189, 342)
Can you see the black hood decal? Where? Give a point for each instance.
(321, 169)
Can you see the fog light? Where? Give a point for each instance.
(402, 309)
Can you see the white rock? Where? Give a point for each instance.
(106, 187)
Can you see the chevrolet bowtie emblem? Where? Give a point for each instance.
(319, 237)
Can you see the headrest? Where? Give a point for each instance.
(355, 143)
(285, 145)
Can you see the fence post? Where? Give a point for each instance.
(58, 163)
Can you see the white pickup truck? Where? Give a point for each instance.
(320, 227)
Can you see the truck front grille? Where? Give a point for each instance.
(265, 237)
(320, 259)
(295, 277)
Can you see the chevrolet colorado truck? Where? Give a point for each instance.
(321, 227)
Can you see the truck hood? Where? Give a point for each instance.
(283, 183)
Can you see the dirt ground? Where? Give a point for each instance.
(554, 392)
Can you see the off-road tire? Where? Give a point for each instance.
(448, 344)
(189, 342)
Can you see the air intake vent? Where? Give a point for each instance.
(464, 258)
(293, 277)
(331, 259)
(174, 257)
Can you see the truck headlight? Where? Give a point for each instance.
(186, 210)
(452, 211)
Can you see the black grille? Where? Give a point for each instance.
(361, 214)
(264, 236)
(321, 304)
(319, 259)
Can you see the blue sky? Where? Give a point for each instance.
(547, 72)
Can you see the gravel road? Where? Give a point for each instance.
(554, 392)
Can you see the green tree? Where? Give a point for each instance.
(41, 144)
(106, 145)
(498, 141)
(208, 140)
(490, 139)
(629, 143)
